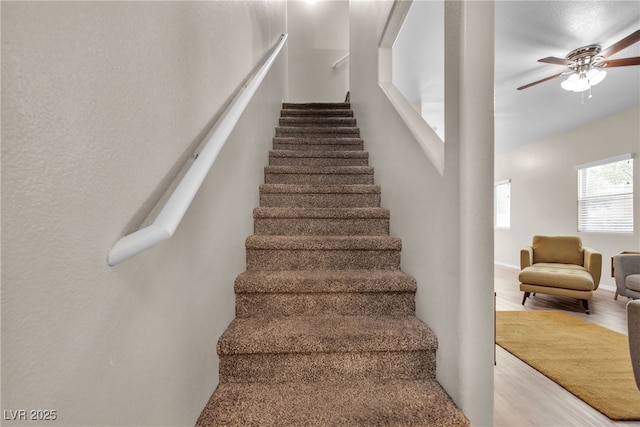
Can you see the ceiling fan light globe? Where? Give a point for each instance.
(568, 85)
(582, 84)
(595, 76)
(571, 83)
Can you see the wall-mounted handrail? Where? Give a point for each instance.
(340, 61)
(176, 206)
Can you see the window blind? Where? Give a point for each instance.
(605, 195)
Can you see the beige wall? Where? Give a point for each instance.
(101, 104)
(440, 240)
(544, 187)
(319, 36)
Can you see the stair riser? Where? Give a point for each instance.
(318, 179)
(317, 132)
(317, 105)
(310, 200)
(333, 303)
(281, 367)
(317, 121)
(338, 259)
(318, 161)
(321, 226)
(316, 113)
(309, 145)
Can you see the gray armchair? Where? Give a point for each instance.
(626, 270)
(633, 319)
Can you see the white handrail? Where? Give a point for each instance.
(339, 61)
(171, 214)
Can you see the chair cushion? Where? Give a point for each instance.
(633, 282)
(558, 249)
(564, 276)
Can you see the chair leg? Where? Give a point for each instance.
(585, 304)
(526, 295)
(615, 297)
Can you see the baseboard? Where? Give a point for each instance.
(505, 265)
(607, 287)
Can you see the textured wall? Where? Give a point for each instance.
(427, 208)
(102, 102)
(544, 187)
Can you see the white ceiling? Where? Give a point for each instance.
(525, 32)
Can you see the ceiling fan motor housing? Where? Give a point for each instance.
(584, 57)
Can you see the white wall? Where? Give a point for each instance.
(420, 78)
(544, 187)
(426, 207)
(318, 37)
(101, 103)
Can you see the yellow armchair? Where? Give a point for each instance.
(560, 265)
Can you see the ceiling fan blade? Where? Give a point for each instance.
(622, 62)
(622, 44)
(543, 80)
(557, 61)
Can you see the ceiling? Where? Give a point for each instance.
(529, 30)
(525, 32)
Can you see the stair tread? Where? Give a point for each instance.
(323, 170)
(305, 281)
(362, 243)
(320, 154)
(316, 105)
(320, 189)
(317, 112)
(324, 120)
(339, 213)
(326, 140)
(319, 129)
(330, 333)
(383, 403)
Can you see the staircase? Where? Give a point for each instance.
(325, 332)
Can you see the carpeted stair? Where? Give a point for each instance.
(325, 331)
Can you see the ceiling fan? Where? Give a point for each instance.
(586, 64)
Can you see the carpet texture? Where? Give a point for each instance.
(590, 361)
(326, 333)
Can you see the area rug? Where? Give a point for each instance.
(590, 361)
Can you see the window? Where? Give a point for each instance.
(502, 208)
(605, 195)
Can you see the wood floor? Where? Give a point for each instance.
(523, 396)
